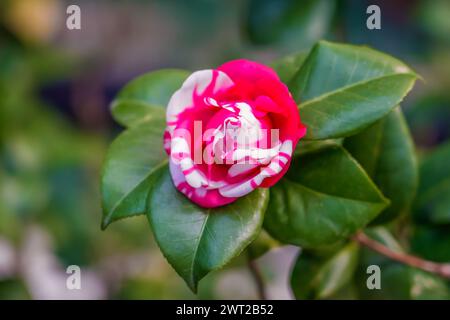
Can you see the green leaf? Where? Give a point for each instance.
(433, 197)
(141, 99)
(386, 152)
(130, 112)
(316, 277)
(129, 168)
(308, 146)
(195, 240)
(288, 66)
(326, 196)
(344, 88)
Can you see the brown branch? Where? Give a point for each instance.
(256, 273)
(441, 269)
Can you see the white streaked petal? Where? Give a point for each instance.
(199, 81)
(240, 168)
(178, 177)
(186, 163)
(272, 169)
(223, 81)
(236, 190)
(176, 173)
(262, 155)
(179, 145)
(241, 189)
(196, 179)
(286, 147)
(200, 192)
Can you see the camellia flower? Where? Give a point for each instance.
(230, 131)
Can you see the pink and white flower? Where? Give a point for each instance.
(230, 131)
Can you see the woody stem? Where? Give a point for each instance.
(441, 269)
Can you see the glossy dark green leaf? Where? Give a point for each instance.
(141, 99)
(289, 23)
(326, 196)
(317, 277)
(288, 66)
(308, 146)
(345, 88)
(386, 152)
(129, 168)
(130, 112)
(195, 240)
(433, 197)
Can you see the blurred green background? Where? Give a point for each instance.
(55, 88)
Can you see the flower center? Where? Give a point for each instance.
(241, 137)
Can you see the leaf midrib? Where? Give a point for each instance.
(194, 257)
(201, 237)
(335, 196)
(362, 172)
(348, 87)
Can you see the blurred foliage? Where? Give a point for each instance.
(33, 21)
(13, 289)
(278, 22)
(433, 17)
(429, 119)
(433, 199)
